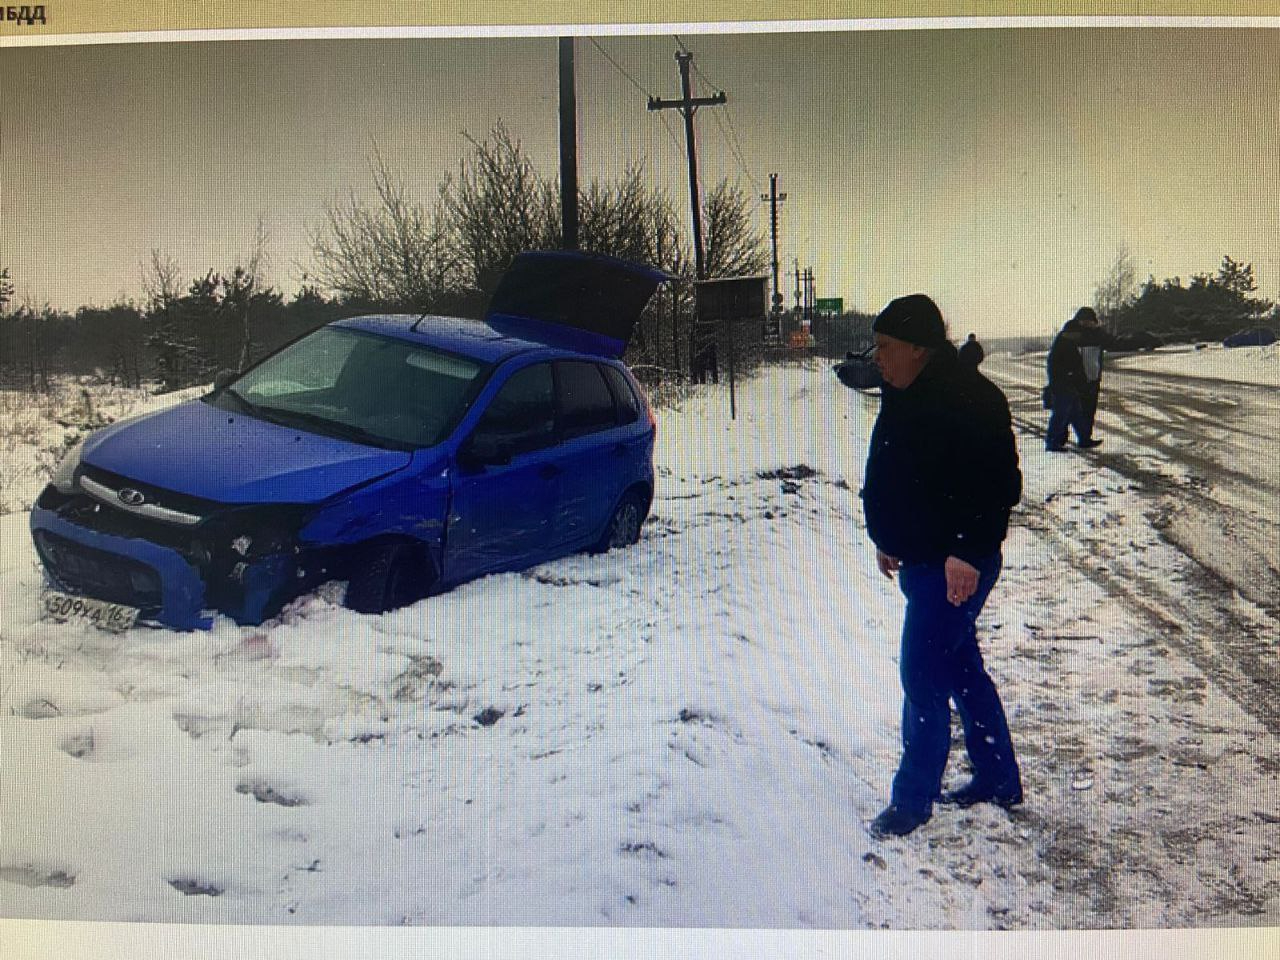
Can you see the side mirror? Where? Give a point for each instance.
(222, 379)
(484, 450)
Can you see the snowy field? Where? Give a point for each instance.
(1257, 365)
(689, 734)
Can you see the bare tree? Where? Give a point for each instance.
(392, 252)
(733, 247)
(1116, 289)
(496, 205)
(242, 287)
(160, 281)
(35, 323)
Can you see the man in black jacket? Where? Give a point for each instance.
(1094, 342)
(941, 478)
(971, 353)
(1067, 386)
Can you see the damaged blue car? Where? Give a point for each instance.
(401, 454)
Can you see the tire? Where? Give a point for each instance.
(623, 528)
(387, 577)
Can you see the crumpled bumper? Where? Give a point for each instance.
(78, 561)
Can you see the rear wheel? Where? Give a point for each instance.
(388, 576)
(623, 528)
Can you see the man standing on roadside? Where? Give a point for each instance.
(1093, 341)
(1065, 368)
(971, 353)
(941, 477)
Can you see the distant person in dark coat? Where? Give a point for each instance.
(971, 353)
(1094, 341)
(941, 477)
(1066, 389)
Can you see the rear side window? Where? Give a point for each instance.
(523, 413)
(586, 404)
(623, 394)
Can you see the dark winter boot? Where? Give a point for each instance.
(1089, 444)
(974, 792)
(896, 822)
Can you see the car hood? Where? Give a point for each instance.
(200, 450)
(574, 301)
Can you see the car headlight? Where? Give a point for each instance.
(64, 477)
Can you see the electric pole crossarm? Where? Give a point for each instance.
(657, 103)
(687, 106)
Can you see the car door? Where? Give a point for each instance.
(506, 483)
(593, 452)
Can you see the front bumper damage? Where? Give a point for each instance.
(175, 577)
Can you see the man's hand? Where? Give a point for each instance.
(962, 580)
(888, 565)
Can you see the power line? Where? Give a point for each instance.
(635, 83)
(735, 147)
(605, 53)
(687, 105)
(730, 132)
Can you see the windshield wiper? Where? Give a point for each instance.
(245, 403)
(344, 431)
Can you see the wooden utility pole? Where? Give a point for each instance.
(688, 105)
(775, 198)
(568, 149)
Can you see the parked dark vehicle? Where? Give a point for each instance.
(402, 454)
(859, 370)
(1257, 337)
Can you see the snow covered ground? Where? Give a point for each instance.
(1257, 365)
(692, 733)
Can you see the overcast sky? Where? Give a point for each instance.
(998, 170)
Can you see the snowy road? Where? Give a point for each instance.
(693, 732)
(1204, 454)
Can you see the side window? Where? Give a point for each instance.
(522, 413)
(586, 405)
(623, 394)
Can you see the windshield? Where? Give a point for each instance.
(357, 386)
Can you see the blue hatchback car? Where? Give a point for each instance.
(402, 454)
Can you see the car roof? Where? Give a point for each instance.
(470, 338)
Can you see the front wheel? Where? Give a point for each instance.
(623, 528)
(387, 577)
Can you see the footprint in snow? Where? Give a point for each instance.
(265, 793)
(196, 888)
(30, 876)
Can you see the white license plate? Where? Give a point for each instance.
(99, 613)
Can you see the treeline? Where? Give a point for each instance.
(390, 251)
(1208, 307)
(183, 342)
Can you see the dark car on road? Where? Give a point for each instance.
(1257, 337)
(859, 370)
(401, 454)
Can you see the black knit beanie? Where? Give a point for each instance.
(914, 318)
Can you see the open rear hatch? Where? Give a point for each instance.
(576, 301)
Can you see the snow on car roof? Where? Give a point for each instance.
(472, 338)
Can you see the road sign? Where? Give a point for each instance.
(829, 305)
(730, 298)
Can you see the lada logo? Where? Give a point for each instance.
(131, 497)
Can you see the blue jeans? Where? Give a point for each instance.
(940, 663)
(1068, 411)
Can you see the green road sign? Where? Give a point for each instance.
(829, 304)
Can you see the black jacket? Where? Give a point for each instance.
(1065, 367)
(942, 469)
(971, 353)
